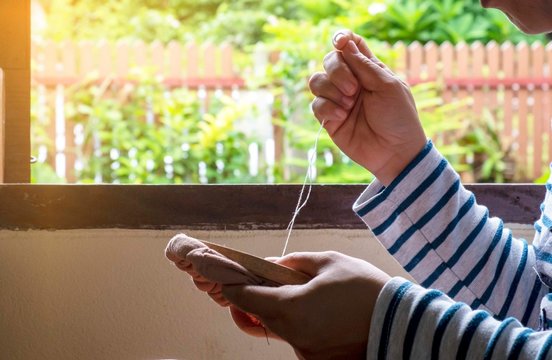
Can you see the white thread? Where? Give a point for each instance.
(308, 176)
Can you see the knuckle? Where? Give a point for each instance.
(333, 62)
(332, 256)
(297, 256)
(315, 80)
(393, 82)
(313, 105)
(316, 107)
(329, 57)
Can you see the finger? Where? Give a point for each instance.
(342, 37)
(247, 323)
(339, 73)
(329, 113)
(220, 299)
(206, 286)
(250, 325)
(325, 109)
(266, 302)
(370, 75)
(321, 85)
(310, 263)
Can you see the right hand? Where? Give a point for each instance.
(327, 318)
(370, 113)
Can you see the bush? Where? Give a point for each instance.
(432, 20)
(145, 133)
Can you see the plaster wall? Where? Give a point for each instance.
(111, 294)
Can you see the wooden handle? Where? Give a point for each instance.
(261, 267)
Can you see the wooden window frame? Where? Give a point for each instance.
(15, 54)
(218, 207)
(205, 207)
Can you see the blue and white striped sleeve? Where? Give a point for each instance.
(436, 230)
(542, 241)
(411, 322)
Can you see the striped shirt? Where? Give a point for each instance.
(483, 293)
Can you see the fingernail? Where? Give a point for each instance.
(338, 37)
(352, 47)
(340, 114)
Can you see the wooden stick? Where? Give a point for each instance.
(280, 274)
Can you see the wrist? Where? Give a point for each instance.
(398, 161)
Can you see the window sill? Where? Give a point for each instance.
(217, 207)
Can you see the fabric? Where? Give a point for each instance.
(436, 230)
(411, 322)
(194, 257)
(208, 268)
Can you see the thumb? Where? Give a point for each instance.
(370, 75)
(309, 263)
(342, 37)
(258, 300)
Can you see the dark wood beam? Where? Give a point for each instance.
(217, 207)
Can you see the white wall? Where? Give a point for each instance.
(111, 294)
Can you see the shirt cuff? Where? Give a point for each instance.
(379, 203)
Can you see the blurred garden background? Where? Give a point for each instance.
(213, 91)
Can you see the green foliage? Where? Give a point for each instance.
(489, 154)
(145, 134)
(444, 123)
(147, 20)
(158, 131)
(242, 22)
(40, 121)
(430, 20)
(299, 58)
(42, 173)
(543, 179)
(447, 136)
(239, 22)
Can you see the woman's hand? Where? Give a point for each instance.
(329, 316)
(370, 113)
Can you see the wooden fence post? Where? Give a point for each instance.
(548, 102)
(537, 70)
(15, 42)
(493, 62)
(522, 120)
(507, 69)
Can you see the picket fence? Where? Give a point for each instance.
(206, 69)
(514, 82)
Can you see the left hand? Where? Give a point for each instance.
(370, 112)
(329, 316)
(178, 250)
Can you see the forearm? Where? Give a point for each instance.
(412, 322)
(433, 226)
